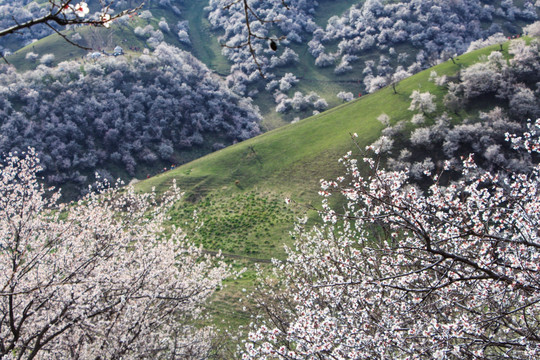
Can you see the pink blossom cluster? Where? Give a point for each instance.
(447, 272)
(102, 278)
(65, 9)
(79, 9)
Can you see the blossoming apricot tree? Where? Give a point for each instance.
(97, 279)
(452, 272)
(69, 12)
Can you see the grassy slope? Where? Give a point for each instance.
(238, 192)
(290, 160)
(205, 44)
(95, 38)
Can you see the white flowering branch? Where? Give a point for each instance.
(451, 272)
(67, 12)
(100, 278)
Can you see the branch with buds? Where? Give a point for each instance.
(68, 12)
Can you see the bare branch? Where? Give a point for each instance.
(248, 11)
(67, 39)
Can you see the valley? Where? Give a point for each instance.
(254, 138)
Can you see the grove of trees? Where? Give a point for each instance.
(434, 30)
(113, 112)
(511, 89)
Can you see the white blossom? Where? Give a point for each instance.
(99, 278)
(402, 273)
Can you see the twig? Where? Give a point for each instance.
(66, 38)
(59, 18)
(3, 57)
(251, 35)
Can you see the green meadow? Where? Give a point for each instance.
(234, 199)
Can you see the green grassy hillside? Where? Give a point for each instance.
(289, 161)
(238, 192)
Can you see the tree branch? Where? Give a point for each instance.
(251, 35)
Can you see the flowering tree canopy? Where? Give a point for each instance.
(96, 279)
(452, 272)
(423, 102)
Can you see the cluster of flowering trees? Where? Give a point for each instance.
(300, 102)
(155, 35)
(97, 279)
(437, 29)
(247, 47)
(294, 20)
(451, 272)
(513, 82)
(83, 117)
